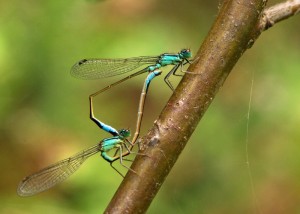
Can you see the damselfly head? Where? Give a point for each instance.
(124, 133)
(185, 53)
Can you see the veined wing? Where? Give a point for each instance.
(101, 68)
(54, 174)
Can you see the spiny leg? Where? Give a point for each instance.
(121, 159)
(129, 150)
(111, 164)
(188, 62)
(166, 79)
(116, 152)
(183, 63)
(173, 71)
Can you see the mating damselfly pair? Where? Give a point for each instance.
(101, 68)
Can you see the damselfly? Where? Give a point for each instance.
(95, 68)
(60, 171)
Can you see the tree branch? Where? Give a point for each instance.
(231, 34)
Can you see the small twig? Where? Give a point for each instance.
(277, 13)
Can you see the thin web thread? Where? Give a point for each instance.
(257, 207)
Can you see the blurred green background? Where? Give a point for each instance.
(44, 111)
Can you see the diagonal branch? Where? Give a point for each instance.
(231, 34)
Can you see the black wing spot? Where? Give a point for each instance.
(82, 61)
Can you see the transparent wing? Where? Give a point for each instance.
(54, 174)
(101, 68)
